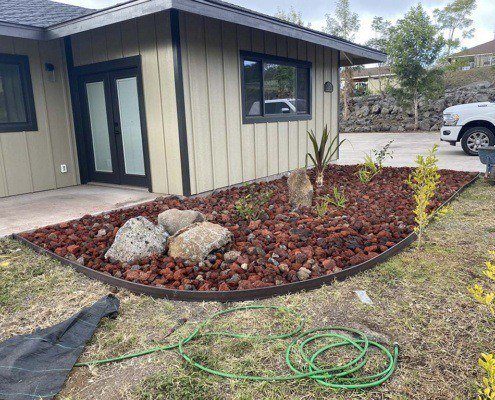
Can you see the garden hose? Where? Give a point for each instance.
(346, 376)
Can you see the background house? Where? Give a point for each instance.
(179, 97)
(482, 55)
(373, 80)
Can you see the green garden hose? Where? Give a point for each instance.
(346, 376)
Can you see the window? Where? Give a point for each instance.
(274, 88)
(17, 111)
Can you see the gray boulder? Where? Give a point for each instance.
(138, 238)
(195, 242)
(300, 189)
(174, 220)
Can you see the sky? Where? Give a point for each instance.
(314, 11)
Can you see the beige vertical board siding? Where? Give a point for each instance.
(27, 161)
(327, 97)
(59, 113)
(81, 48)
(260, 130)
(113, 42)
(200, 102)
(283, 127)
(320, 103)
(187, 102)
(271, 129)
(169, 103)
(14, 149)
(39, 142)
(232, 85)
(311, 50)
(216, 102)
(129, 38)
(149, 37)
(99, 45)
(302, 142)
(252, 150)
(152, 102)
(247, 130)
(293, 125)
(334, 118)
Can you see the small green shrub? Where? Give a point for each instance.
(250, 206)
(336, 199)
(372, 166)
(323, 152)
(424, 181)
(486, 390)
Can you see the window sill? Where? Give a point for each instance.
(276, 118)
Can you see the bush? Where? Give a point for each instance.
(424, 181)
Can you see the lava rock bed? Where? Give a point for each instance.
(282, 247)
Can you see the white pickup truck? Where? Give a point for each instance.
(471, 124)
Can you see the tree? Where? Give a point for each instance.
(455, 17)
(292, 16)
(344, 23)
(414, 47)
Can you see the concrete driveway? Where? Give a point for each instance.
(30, 211)
(405, 148)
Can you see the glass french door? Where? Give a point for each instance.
(112, 126)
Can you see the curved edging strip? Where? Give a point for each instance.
(236, 295)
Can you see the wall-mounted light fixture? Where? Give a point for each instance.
(328, 87)
(50, 68)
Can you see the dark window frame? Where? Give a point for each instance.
(266, 58)
(31, 123)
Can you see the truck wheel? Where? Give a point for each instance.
(476, 137)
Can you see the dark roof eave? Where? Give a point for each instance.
(22, 31)
(218, 10)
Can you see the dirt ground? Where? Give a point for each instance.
(420, 300)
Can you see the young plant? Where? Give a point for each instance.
(382, 154)
(368, 170)
(424, 181)
(323, 152)
(486, 361)
(337, 199)
(250, 206)
(372, 166)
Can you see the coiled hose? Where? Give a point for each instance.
(345, 376)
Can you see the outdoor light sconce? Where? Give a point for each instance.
(328, 87)
(50, 68)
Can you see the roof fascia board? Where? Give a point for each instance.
(21, 31)
(112, 15)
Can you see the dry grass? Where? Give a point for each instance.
(420, 300)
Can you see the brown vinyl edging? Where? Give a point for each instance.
(236, 295)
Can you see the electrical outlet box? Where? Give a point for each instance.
(63, 168)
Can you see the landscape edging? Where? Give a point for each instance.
(237, 295)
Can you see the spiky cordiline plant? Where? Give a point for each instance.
(323, 152)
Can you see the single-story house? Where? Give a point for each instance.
(373, 80)
(482, 55)
(177, 96)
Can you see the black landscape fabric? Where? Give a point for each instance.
(35, 366)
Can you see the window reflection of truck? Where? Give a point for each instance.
(279, 106)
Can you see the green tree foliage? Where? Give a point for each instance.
(344, 23)
(414, 46)
(292, 15)
(455, 18)
(381, 34)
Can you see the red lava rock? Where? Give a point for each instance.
(376, 216)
